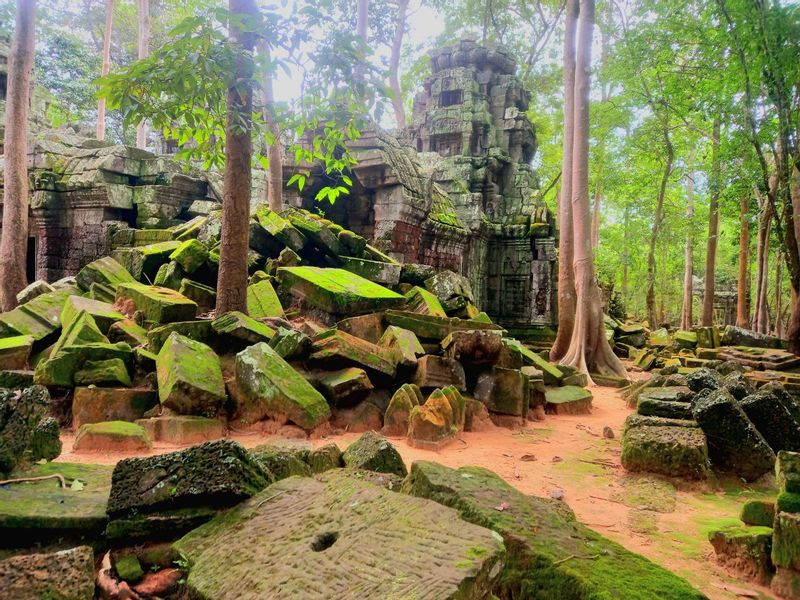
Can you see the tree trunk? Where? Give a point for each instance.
(566, 274)
(713, 229)
(761, 312)
(658, 218)
(273, 187)
(598, 201)
(14, 234)
(626, 235)
(779, 295)
(362, 20)
(686, 310)
(394, 64)
(234, 241)
(589, 350)
(101, 105)
(742, 312)
(144, 52)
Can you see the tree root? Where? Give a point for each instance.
(575, 556)
(58, 476)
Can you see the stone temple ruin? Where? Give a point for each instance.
(463, 200)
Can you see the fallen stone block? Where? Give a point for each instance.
(421, 301)
(432, 424)
(772, 420)
(318, 523)
(170, 275)
(568, 400)
(387, 274)
(67, 574)
(758, 512)
(281, 461)
(403, 344)
(346, 387)
(745, 549)
(737, 385)
(182, 429)
(364, 416)
(542, 538)
(129, 332)
(473, 347)
(438, 372)
(369, 327)
(337, 349)
(27, 434)
(270, 387)
(203, 295)
(668, 393)
(372, 452)
(674, 451)
(734, 444)
(38, 318)
(738, 336)
(143, 261)
(159, 305)
(96, 404)
(112, 371)
(242, 327)
(15, 351)
(105, 271)
(336, 291)
(786, 541)
(290, 343)
(786, 583)
(60, 368)
(32, 290)
(447, 284)
(787, 502)
(432, 328)
(189, 377)
(317, 231)
(553, 374)
(199, 331)
(102, 313)
(650, 407)
(787, 471)
(262, 301)
(280, 229)
(190, 255)
(503, 391)
(111, 436)
(16, 379)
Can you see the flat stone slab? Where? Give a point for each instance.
(429, 327)
(673, 393)
(568, 400)
(111, 436)
(38, 318)
(42, 510)
(337, 291)
(340, 537)
(15, 350)
(159, 304)
(183, 429)
(671, 450)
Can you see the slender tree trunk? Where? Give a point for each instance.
(589, 350)
(598, 202)
(394, 64)
(658, 218)
(626, 234)
(273, 187)
(14, 233)
(566, 274)
(761, 312)
(793, 326)
(101, 105)
(779, 294)
(144, 52)
(713, 229)
(234, 242)
(742, 312)
(686, 310)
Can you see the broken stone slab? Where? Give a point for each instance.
(354, 244)
(786, 541)
(81, 330)
(111, 371)
(787, 471)
(280, 229)
(416, 274)
(568, 400)
(111, 436)
(262, 301)
(64, 574)
(290, 343)
(158, 304)
(313, 522)
(102, 313)
(199, 331)
(738, 336)
(346, 387)
(772, 420)
(32, 290)
(403, 343)
(421, 301)
(189, 377)
(105, 271)
(369, 327)
(673, 393)
(734, 444)
(473, 347)
(203, 295)
(190, 255)
(270, 387)
(395, 420)
(432, 328)
(447, 284)
(281, 461)
(372, 452)
(737, 385)
(674, 451)
(60, 368)
(144, 261)
(39, 318)
(703, 379)
(170, 275)
(503, 391)
(242, 327)
(542, 537)
(707, 337)
(387, 274)
(636, 420)
(553, 374)
(100, 292)
(182, 429)
(339, 349)
(317, 231)
(95, 404)
(651, 407)
(438, 372)
(16, 379)
(747, 549)
(15, 351)
(685, 339)
(336, 291)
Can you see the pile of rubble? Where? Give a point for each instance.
(337, 335)
(767, 546)
(292, 521)
(690, 420)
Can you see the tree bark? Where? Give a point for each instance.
(742, 312)
(234, 241)
(101, 105)
(761, 312)
(394, 64)
(778, 295)
(658, 218)
(598, 202)
(14, 234)
(566, 274)
(713, 229)
(273, 187)
(144, 52)
(626, 235)
(589, 350)
(686, 310)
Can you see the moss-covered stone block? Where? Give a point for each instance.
(337, 349)
(503, 391)
(170, 275)
(747, 549)
(241, 327)
(183, 429)
(786, 541)
(433, 328)
(189, 377)
(372, 452)
(568, 399)
(270, 387)
(38, 318)
(651, 407)
(290, 343)
(60, 368)
(111, 436)
(346, 387)
(203, 295)
(758, 512)
(396, 418)
(668, 450)
(15, 351)
(788, 502)
(144, 261)
(60, 575)
(199, 331)
(787, 471)
(129, 332)
(432, 424)
(772, 420)
(279, 228)
(102, 313)
(128, 568)
(105, 271)
(403, 344)
(282, 462)
(553, 374)
(98, 404)
(158, 304)
(387, 274)
(190, 255)
(112, 371)
(438, 372)
(262, 301)
(543, 537)
(786, 583)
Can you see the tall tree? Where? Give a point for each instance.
(101, 104)
(658, 219)
(686, 310)
(589, 350)
(713, 228)
(14, 234)
(394, 64)
(144, 52)
(273, 188)
(566, 274)
(742, 307)
(761, 309)
(235, 236)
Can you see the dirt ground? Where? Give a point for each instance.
(568, 457)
